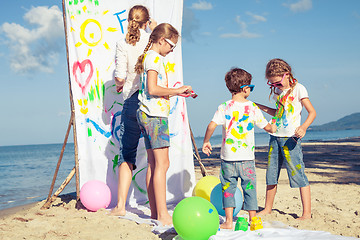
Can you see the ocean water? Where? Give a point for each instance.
(26, 172)
(262, 138)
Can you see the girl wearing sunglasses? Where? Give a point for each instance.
(285, 143)
(153, 113)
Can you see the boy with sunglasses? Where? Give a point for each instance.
(237, 118)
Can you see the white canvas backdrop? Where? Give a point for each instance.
(93, 28)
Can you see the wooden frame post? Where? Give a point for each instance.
(73, 124)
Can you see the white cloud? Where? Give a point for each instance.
(190, 24)
(37, 48)
(300, 6)
(256, 18)
(244, 33)
(202, 5)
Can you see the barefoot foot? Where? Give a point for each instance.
(226, 225)
(165, 220)
(263, 212)
(117, 212)
(304, 217)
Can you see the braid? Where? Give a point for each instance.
(133, 34)
(139, 67)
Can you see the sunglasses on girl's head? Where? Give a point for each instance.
(250, 86)
(277, 84)
(172, 45)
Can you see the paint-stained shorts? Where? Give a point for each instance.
(230, 171)
(154, 129)
(289, 149)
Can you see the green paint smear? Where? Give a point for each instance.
(114, 105)
(249, 186)
(98, 90)
(115, 162)
(229, 141)
(136, 184)
(241, 129)
(89, 132)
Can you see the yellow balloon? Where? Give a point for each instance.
(204, 187)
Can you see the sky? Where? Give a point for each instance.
(319, 39)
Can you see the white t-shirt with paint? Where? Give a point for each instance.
(150, 104)
(291, 117)
(238, 120)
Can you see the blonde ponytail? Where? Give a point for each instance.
(138, 16)
(133, 34)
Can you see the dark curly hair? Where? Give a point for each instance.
(235, 78)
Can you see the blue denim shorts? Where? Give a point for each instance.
(154, 129)
(129, 131)
(230, 171)
(289, 149)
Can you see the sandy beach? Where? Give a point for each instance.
(332, 167)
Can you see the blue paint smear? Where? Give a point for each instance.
(244, 118)
(250, 126)
(98, 128)
(113, 128)
(173, 134)
(227, 117)
(175, 105)
(211, 210)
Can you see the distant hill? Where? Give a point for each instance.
(349, 122)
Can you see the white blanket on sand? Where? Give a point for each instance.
(272, 230)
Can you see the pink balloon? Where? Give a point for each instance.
(94, 195)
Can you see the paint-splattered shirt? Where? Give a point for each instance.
(238, 120)
(150, 104)
(290, 119)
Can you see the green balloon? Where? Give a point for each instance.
(195, 218)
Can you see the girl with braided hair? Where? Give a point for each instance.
(153, 114)
(127, 82)
(285, 143)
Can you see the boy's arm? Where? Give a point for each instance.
(270, 111)
(301, 130)
(209, 132)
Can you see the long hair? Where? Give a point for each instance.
(138, 16)
(165, 30)
(277, 68)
